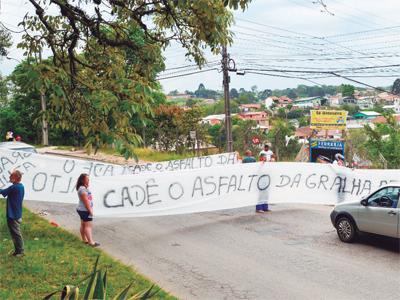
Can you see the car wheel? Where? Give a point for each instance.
(346, 229)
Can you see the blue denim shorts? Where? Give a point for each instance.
(85, 216)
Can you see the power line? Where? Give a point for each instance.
(187, 74)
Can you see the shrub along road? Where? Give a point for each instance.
(291, 253)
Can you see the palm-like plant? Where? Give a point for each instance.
(97, 288)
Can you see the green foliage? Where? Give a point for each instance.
(396, 87)
(246, 97)
(218, 136)
(233, 94)
(347, 90)
(4, 91)
(352, 109)
(22, 111)
(384, 140)
(277, 136)
(171, 125)
(103, 72)
(5, 41)
(242, 133)
(306, 91)
(97, 288)
(219, 108)
(202, 92)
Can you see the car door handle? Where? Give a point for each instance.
(391, 213)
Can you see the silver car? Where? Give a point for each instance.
(377, 213)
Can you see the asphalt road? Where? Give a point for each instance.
(290, 253)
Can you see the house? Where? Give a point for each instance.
(310, 102)
(261, 117)
(386, 98)
(365, 115)
(382, 119)
(282, 101)
(366, 102)
(249, 107)
(213, 119)
(349, 100)
(335, 100)
(395, 107)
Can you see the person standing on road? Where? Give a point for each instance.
(267, 153)
(85, 209)
(262, 205)
(15, 195)
(248, 157)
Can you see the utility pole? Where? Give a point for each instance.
(226, 79)
(45, 131)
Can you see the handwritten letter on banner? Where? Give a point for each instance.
(189, 185)
(53, 178)
(234, 186)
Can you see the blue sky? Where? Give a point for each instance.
(285, 35)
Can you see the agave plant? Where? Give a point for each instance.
(97, 288)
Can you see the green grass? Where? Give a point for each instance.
(148, 154)
(54, 258)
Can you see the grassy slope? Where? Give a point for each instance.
(53, 259)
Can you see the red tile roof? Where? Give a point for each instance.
(382, 119)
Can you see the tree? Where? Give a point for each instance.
(242, 132)
(264, 94)
(233, 94)
(5, 42)
(347, 90)
(352, 109)
(277, 135)
(22, 112)
(104, 68)
(217, 134)
(171, 126)
(3, 91)
(396, 87)
(173, 93)
(202, 92)
(292, 94)
(384, 140)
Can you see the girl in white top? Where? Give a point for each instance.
(85, 209)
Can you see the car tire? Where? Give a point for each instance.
(346, 229)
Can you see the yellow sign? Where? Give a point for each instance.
(328, 119)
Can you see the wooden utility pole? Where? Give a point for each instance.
(45, 131)
(228, 123)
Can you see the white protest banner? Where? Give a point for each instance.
(53, 178)
(233, 186)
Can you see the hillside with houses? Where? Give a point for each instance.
(283, 116)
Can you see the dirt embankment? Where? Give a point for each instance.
(81, 154)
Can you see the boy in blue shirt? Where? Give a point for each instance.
(15, 195)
